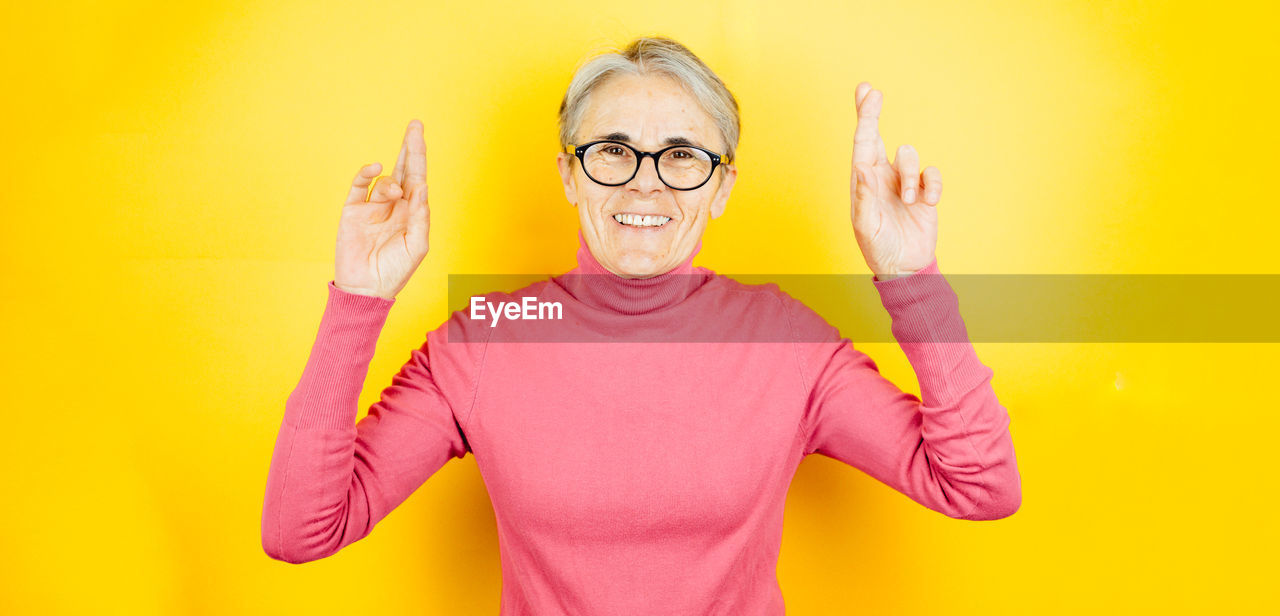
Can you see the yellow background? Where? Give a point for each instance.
(173, 181)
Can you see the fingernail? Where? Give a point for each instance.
(910, 195)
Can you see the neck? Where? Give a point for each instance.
(596, 286)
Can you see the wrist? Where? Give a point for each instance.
(360, 291)
(890, 276)
(892, 273)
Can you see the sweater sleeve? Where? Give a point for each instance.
(951, 452)
(331, 479)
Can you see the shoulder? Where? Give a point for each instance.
(767, 301)
(765, 296)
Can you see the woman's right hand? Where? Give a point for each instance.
(382, 235)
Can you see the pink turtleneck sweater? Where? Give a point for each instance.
(638, 451)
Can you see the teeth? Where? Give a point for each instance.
(641, 221)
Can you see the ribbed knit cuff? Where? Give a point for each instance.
(328, 394)
(903, 291)
(927, 325)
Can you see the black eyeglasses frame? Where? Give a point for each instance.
(580, 152)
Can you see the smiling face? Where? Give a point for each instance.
(645, 112)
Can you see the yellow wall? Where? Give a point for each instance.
(173, 181)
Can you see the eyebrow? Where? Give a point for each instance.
(617, 136)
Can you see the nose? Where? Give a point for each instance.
(646, 179)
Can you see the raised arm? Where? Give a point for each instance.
(331, 480)
(952, 451)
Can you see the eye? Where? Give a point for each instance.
(613, 149)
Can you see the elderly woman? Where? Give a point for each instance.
(647, 475)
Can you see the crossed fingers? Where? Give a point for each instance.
(869, 151)
(410, 171)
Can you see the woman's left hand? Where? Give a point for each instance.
(895, 219)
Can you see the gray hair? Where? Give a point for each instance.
(653, 55)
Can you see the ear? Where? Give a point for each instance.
(728, 177)
(565, 164)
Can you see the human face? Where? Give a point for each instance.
(644, 111)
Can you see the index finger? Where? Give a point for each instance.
(417, 162)
(866, 137)
(359, 192)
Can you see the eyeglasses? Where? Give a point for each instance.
(613, 163)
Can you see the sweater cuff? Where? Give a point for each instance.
(328, 393)
(923, 306)
(903, 291)
(352, 320)
(345, 301)
(926, 312)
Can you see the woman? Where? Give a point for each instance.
(637, 478)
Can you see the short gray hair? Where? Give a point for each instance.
(653, 55)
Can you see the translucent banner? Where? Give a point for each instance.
(1036, 308)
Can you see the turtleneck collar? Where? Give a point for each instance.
(592, 284)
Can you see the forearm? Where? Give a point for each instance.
(308, 512)
(963, 426)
